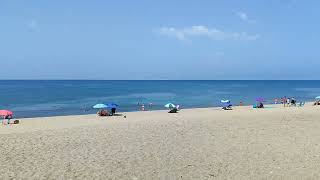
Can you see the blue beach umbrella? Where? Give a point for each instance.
(170, 105)
(112, 105)
(100, 106)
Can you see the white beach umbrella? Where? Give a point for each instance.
(170, 105)
(100, 106)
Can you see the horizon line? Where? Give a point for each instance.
(159, 79)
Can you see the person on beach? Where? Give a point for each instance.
(276, 101)
(284, 101)
(113, 111)
(102, 113)
(288, 101)
(293, 101)
(241, 103)
(260, 105)
(8, 118)
(142, 107)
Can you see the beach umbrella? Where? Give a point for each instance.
(170, 105)
(260, 99)
(115, 104)
(226, 103)
(100, 106)
(112, 105)
(6, 113)
(318, 97)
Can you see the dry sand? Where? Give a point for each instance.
(209, 143)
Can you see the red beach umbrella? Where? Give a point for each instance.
(5, 113)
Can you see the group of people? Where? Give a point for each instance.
(286, 101)
(8, 120)
(104, 112)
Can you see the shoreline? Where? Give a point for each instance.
(121, 112)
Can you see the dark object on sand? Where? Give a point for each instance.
(16, 122)
(113, 111)
(227, 107)
(173, 110)
(260, 105)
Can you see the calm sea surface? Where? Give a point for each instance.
(50, 98)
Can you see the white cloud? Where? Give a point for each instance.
(185, 34)
(33, 24)
(243, 16)
(170, 31)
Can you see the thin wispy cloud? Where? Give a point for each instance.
(186, 34)
(244, 17)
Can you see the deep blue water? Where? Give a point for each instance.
(50, 98)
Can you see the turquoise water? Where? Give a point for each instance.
(50, 98)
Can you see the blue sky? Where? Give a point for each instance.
(164, 39)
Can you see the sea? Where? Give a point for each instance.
(38, 98)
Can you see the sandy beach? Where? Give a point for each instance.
(207, 143)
